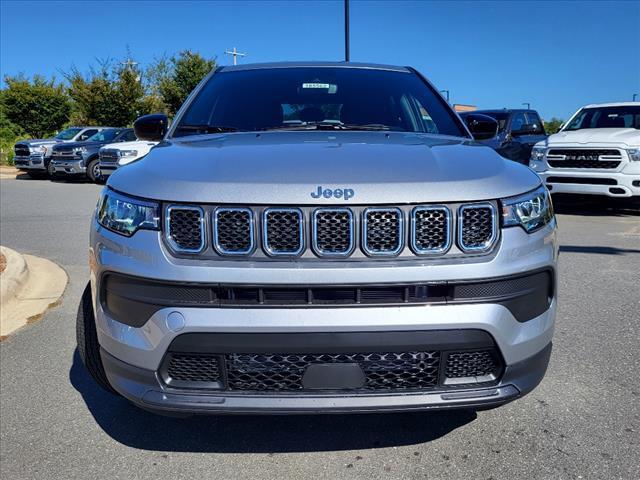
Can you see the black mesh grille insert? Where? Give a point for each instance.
(284, 372)
(470, 364)
(193, 368)
(583, 164)
(383, 231)
(477, 227)
(185, 228)
(592, 154)
(430, 229)
(283, 231)
(21, 150)
(333, 231)
(233, 230)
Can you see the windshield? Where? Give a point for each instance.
(314, 98)
(68, 133)
(106, 135)
(606, 117)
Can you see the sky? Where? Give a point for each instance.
(557, 56)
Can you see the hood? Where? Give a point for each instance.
(286, 167)
(143, 145)
(623, 137)
(36, 142)
(71, 145)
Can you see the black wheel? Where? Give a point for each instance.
(87, 339)
(93, 170)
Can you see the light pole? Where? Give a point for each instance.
(346, 30)
(528, 105)
(446, 93)
(634, 97)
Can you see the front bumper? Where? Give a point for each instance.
(133, 356)
(612, 184)
(69, 167)
(31, 163)
(107, 169)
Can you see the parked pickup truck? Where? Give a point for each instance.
(518, 132)
(81, 158)
(319, 237)
(34, 156)
(597, 152)
(115, 155)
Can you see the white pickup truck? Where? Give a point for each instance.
(597, 152)
(115, 155)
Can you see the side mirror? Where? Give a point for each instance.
(482, 127)
(151, 127)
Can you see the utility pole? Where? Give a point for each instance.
(346, 30)
(235, 54)
(446, 92)
(528, 105)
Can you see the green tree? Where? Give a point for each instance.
(39, 107)
(108, 95)
(553, 125)
(9, 134)
(174, 78)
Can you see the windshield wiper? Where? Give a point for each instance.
(331, 126)
(199, 129)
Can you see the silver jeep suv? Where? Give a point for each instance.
(319, 237)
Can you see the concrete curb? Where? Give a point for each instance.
(9, 172)
(41, 290)
(14, 275)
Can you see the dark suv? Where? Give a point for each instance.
(518, 132)
(81, 158)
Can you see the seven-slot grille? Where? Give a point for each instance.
(332, 231)
(383, 231)
(430, 229)
(185, 228)
(584, 158)
(233, 231)
(283, 231)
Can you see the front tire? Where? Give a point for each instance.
(87, 341)
(93, 170)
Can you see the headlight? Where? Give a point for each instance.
(126, 215)
(537, 154)
(634, 154)
(40, 149)
(128, 153)
(531, 211)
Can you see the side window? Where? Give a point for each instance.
(517, 121)
(129, 137)
(87, 134)
(534, 119)
(423, 117)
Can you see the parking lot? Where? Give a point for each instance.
(583, 421)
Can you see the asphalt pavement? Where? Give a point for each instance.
(583, 421)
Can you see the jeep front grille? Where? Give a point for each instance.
(477, 228)
(309, 232)
(233, 232)
(284, 372)
(383, 231)
(332, 231)
(185, 228)
(430, 229)
(283, 231)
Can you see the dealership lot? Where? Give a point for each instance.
(583, 421)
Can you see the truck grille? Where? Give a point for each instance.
(358, 232)
(478, 227)
(383, 231)
(185, 228)
(21, 150)
(109, 156)
(584, 158)
(284, 372)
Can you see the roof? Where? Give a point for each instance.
(258, 66)
(613, 104)
(503, 110)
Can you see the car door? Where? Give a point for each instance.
(537, 134)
